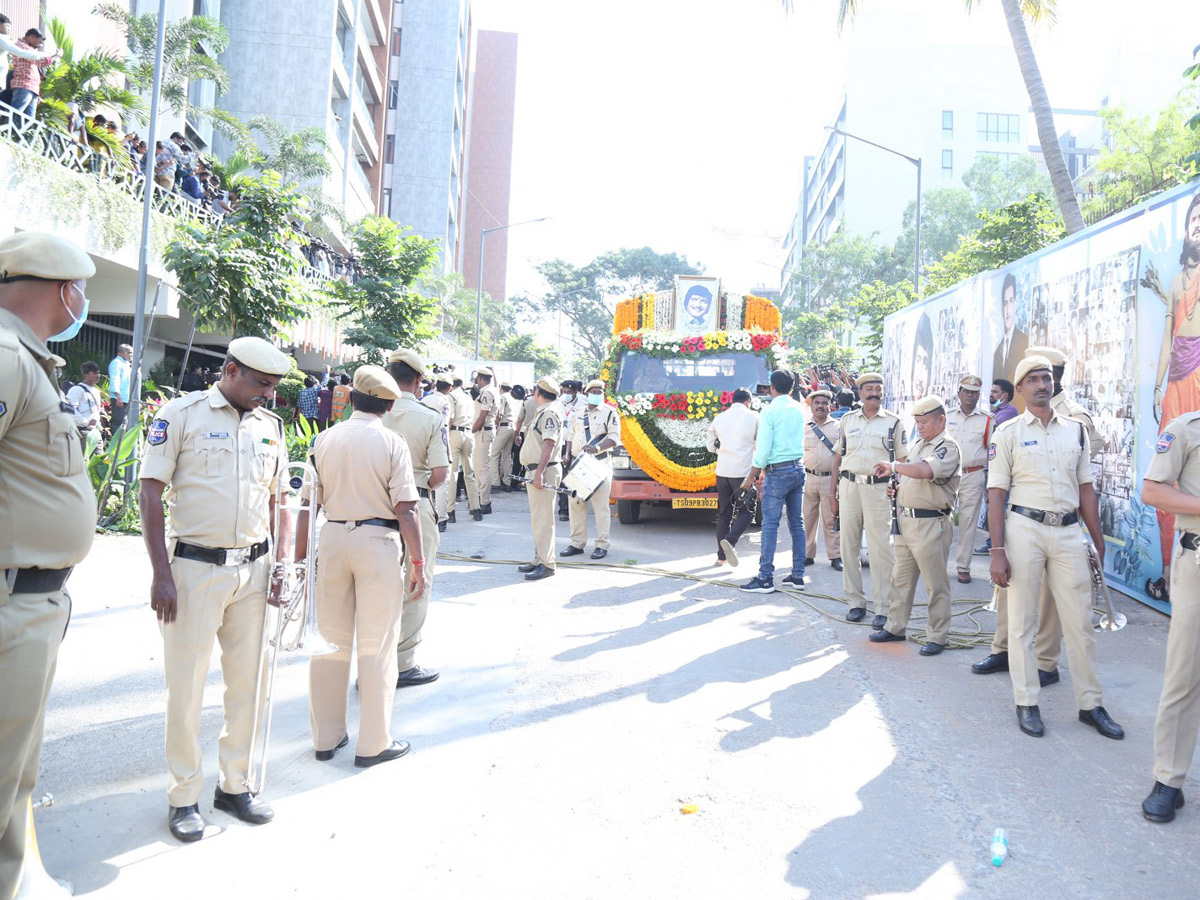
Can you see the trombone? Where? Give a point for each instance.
(1109, 620)
(292, 625)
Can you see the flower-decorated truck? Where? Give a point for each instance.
(668, 382)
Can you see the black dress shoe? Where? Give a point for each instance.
(1099, 719)
(808, 560)
(486, 509)
(571, 550)
(1030, 720)
(416, 676)
(450, 517)
(246, 807)
(932, 649)
(599, 553)
(878, 622)
(993, 662)
(539, 573)
(526, 567)
(395, 751)
(857, 614)
(187, 825)
(441, 526)
(563, 517)
(1047, 678)
(476, 515)
(1160, 806)
(327, 755)
(836, 562)
(882, 636)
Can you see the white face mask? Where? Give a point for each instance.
(76, 321)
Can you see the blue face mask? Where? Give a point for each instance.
(76, 323)
(594, 399)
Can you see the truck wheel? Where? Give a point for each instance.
(629, 511)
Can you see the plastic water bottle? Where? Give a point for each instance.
(999, 847)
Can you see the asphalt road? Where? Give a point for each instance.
(576, 716)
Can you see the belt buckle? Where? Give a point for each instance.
(237, 556)
(1052, 518)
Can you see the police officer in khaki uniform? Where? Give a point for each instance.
(462, 449)
(1172, 485)
(862, 500)
(595, 430)
(438, 400)
(422, 431)
(487, 409)
(528, 408)
(47, 509)
(925, 500)
(1049, 629)
(501, 460)
(971, 429)
(1038, 477)
(365, 485)
(540, 456)
(221, 452)
(821, 435)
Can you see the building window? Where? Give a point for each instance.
(389, 149)
(396, 41)
(947, 123)
(999, 128)
(393, 93)
(947, 163)
(387, 202)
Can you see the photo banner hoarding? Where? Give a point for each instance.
(1101, 297)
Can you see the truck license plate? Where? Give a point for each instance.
(694, 503)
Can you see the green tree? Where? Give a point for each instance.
(383, 309)
(296, 155)
(523, 348)
(947, 214)
(242, 276)
(833, 272)
(848, 330)
(96, 79)
(994, 183)
(456, 309)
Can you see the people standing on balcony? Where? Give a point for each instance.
(190, 187)
(27, 72)
(9, 47)
(164, 166)
(119, 371)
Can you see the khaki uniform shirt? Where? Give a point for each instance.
(972, 433)
(462, 409)
(440, 404)
(507, 414)
(363, 469)
(222, 467)
(1040, 466)
(1177, 461)
(528, 411)
(489, 400)
(864, 441)
(422, 431)
(817, 456)
(604, 422)
(545, 425)
(943, 456)
(1065, 406)
(47, 508)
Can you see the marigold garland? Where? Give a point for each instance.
(651, 460)
(763, 315)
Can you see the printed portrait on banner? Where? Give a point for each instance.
(696, 304)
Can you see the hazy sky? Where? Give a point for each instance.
(682, 124)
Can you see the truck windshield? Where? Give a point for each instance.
(641, 374)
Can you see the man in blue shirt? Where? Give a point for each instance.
(779, 452)
(308, 401)
(118, 386)
(845, 401)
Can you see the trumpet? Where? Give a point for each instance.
(1110, 620)
(292, 625)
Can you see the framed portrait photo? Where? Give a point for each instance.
(696, 303)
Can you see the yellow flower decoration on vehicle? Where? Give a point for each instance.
(657, 466)
(626, 316)
(762, 314)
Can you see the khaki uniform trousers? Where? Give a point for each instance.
(359, 592)
(483, 465)
(818, 491)
(462, 446)
(971, 490)
(501, 460)
(1056, 555)
(31, 628)
(1179, 708)
(412, 617)
(578, 511)
(228, 603)
(865, 507)
(541, 515)
(922, 549)
(1048, 643)
(440, 500)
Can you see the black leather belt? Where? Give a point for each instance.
(424, 492)
(487, 428)
(548, 465)
(233, 557)
(790, 464)
(818, 474)
(35, 581)
(383, 523)
(1190, 541)
(459, 428)
(863, 479)
(924, 513)
(1045, 517)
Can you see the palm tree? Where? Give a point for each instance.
(1015, 14)
(295, 155)
(92, 81)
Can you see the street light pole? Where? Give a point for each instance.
(483, 233)
(916, 161)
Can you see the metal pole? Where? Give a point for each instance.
(917, 265)
(139, 312)
(479, 293)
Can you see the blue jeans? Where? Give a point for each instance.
(782, 488)
(25, 101)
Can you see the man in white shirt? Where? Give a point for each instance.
(731, 436)
(85, 400)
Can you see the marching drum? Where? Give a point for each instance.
(585, 476)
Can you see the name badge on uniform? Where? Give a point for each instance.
(157, 433)
(216, 434)
(1028, 443)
